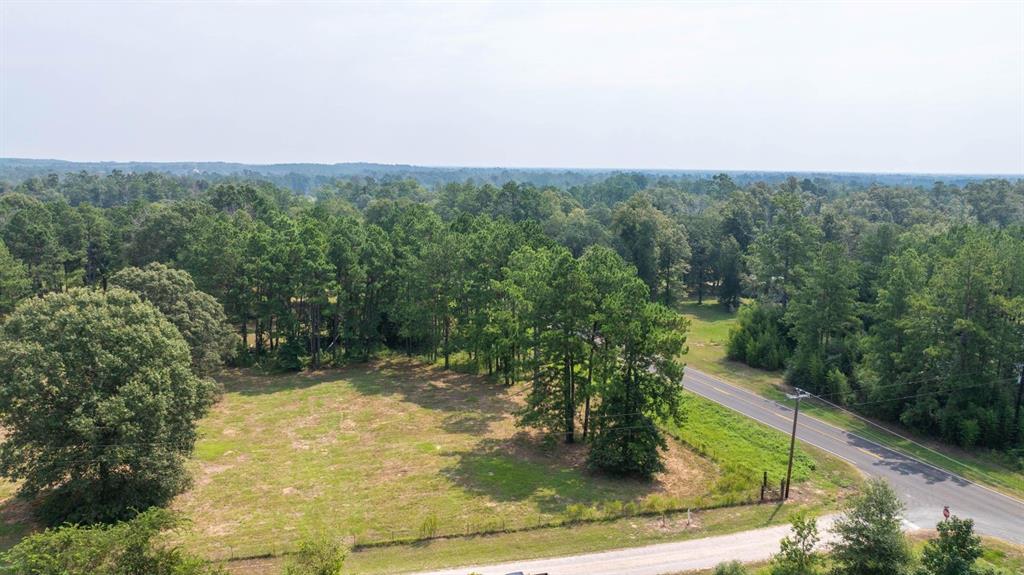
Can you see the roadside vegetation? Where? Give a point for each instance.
(867, 540)
(997, 558)
(579, 538)
(711, 326)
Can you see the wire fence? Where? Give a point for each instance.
(433, 528)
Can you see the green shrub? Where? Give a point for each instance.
(633, 454)
(575, 512)
(796, 551)
(428, 528)
(316, 557)
(730, 568)
(291, 354)
(954, 552)
(871, 540)
(759, 338)
(658, 503)
(837, 385)
(613, 508)
(126, 548)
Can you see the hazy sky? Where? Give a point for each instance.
(923, 87)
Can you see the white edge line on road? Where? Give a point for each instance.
(907, 455)
(921, 445)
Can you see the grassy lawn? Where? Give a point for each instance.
(399, 450)
(744, 449)
(387, 451)
(708, 337)
(1003, 555)
(583, 538)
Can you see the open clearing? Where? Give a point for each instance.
(399, 450)
(386, 451)
(708, 339)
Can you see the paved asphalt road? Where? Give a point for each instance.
(924, 489)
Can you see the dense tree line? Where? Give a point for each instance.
(854, 290)
(906, 306)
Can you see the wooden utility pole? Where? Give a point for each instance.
(800, 394)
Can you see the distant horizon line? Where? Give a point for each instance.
(522, 168)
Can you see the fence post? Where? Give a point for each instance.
(782, 489)
(764, 484)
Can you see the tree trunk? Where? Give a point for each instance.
(447, 334)
(567, 392)
(270, 332)
(314, 333)
(536, 356)
(700, 285)
(590, 381)
(259, 337)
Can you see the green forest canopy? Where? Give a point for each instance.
(905, 301)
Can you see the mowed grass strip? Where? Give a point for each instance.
(551, 542)
(743, 448)
(387, 451)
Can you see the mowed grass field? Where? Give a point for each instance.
(400, 450)
(708, 339)
(386, 451)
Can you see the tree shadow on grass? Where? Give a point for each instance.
(471, 423)
(502, 472)
(478, 401)
(16, 521)
(251, 382)
(710, 311)
(472, 403)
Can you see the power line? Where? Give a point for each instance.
(904, 383)
(925, 394)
